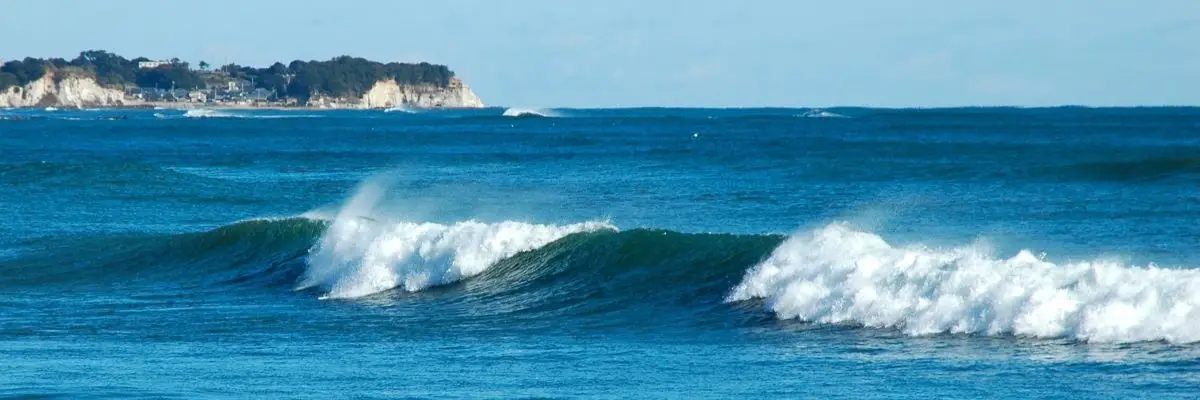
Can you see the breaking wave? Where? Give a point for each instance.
(838, 275)
(530, 112)
(358, 257)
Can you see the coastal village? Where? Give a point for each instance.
(221, 89)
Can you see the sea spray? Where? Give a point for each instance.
(840, 275)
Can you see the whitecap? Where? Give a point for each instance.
(362, 254)
(839, 275)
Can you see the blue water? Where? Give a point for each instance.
(618, 253)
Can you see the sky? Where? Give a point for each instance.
(710, 53)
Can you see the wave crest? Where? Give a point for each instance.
(359, 257)
(840, 275)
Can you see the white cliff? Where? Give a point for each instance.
(388, 94)
(71, 91)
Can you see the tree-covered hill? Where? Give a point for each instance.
(343, 76)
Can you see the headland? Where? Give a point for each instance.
(97, 79)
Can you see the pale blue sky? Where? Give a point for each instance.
(678, 52)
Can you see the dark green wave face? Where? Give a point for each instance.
(630, 253)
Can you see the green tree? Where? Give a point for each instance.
(203, 66)
(110, 69)
(166, 76)
(27, 70)
(7, 80)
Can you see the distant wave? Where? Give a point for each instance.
(210, 113)
(1145, 169)
(818, 113)
(206, 113)
(400, 109)
(839, 275)
(88, 174)
(530, 112)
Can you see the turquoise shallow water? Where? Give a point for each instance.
(616, 253)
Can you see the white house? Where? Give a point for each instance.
(153, 64)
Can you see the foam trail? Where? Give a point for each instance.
(400, 109)
(840, 275)
(529, 112)
(360, 255)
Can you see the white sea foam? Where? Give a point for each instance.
(206, 113)
(840, 275)
(361, 255)
(400, 109)
(529, 112)
(51, 109)
(209, 113)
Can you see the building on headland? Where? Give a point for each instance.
(239, 85)
(153, 64)
(262, 95)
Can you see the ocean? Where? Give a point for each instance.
(859, 253)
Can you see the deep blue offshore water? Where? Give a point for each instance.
(601, 253)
